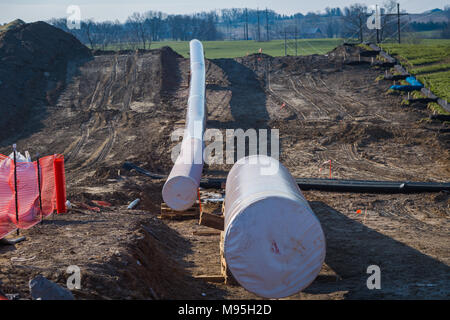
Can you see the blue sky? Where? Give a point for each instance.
(100, 10)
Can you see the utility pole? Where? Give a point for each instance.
(378, 31)
(246, 24)
(398, 22)
(398, 14)
(360, 29)
(267, 25)
(259, 29)
(296, 39)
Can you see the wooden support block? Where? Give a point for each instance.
(211, 220)
(206, 233)
(211, 278)
(169, 213)
(226, 273)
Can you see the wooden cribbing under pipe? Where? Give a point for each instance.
(168, 213)
(199, 200)
(211, 220)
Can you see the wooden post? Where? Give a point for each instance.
(39, 187)
(211, 220)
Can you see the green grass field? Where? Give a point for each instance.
(429, 61)
(233, 49)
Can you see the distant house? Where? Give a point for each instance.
(314, 32)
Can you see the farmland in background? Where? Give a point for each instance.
(234, 49)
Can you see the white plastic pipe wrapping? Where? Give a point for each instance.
(274, 244)
(180, 190)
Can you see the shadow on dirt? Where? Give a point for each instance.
(352, 247)
(248, 99)
(70, 222)
(153, 268)
(37, 61)
(247, 105)
(39, 100)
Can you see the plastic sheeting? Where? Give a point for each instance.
(414, 85)
(180, 190)
(274, 245)
(29, 212)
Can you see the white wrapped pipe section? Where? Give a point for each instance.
(180, 190)
(274, 244)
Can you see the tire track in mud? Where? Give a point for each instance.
(108, 146)
(314, 92)
(106, 90)
(131, 83)
(279, 100)
(389, 168)
(320, 111)
(81, 142)
(108, 143)
(85, 127)
(269, 91)
(354, 101)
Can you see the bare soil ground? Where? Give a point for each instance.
(123, 107)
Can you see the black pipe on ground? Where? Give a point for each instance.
(332, 185)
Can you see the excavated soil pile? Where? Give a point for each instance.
(34, 58)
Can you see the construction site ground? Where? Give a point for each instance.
(119, 107)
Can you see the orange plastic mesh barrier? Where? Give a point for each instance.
(60, 185)
(29, 212)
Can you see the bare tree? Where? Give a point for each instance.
(388, 21)
(355, 18)
(140, 26)
(90, 25)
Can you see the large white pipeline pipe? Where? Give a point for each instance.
(274, 245)
(180, 190)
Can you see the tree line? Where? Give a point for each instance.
(141, 29)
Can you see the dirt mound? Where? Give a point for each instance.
(37, 55)
(345, 50)
(300, 64)
(13, 24)
(169, 62)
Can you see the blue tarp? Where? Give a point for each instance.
(414, 85)
(414, 82)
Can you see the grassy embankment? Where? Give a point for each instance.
(429, 61)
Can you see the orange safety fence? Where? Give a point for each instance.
(53, 191)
